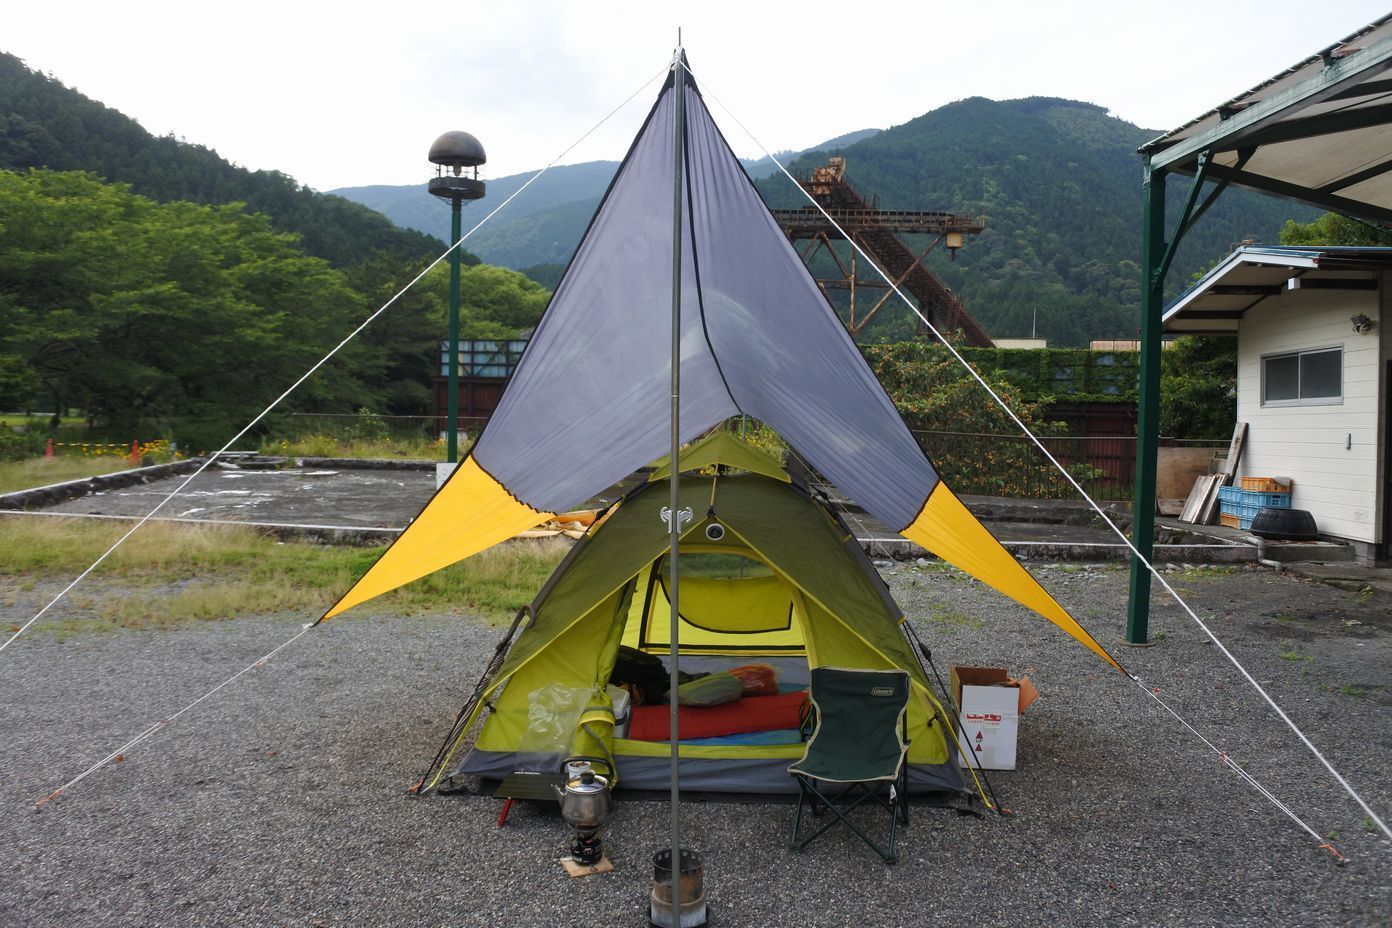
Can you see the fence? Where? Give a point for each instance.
(1011, 465)
(348, 426)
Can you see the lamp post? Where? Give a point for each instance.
(453, 153)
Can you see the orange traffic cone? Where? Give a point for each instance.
(48, 451)
(135, 452)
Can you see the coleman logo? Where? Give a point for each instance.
(881, 691)
(981, 716)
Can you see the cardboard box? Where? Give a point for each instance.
(990, 702)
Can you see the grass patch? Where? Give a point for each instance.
(1292, 655)
(329, 446)
(172, 574)
(1210, 570)
(38, 472)
(944, 615)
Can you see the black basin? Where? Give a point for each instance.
(1285, 524)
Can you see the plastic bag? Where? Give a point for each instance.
(758, 679)
(553, 712)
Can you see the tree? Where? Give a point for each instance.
(1334, 229)
(988, 455)
(167, 319)
(1198, 387)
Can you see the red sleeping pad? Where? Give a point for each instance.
(749, 713)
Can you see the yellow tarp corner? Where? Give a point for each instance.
(947, 528)
(470, 513)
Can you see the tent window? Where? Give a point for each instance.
(721, 566)
(1303, 378)
(730, 593)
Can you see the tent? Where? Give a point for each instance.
(591, 400)
(785, 582)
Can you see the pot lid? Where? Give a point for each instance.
(586, 782)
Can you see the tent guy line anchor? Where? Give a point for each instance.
(1348, 788)
(321, 362)
(1154, 693)
(120, 752)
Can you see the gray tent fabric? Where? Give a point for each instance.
(595, 380)
(784, 352)
(758, 338)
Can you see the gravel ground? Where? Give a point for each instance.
(282, 801)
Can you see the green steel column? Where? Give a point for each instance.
(1148, 419)
(453, 351)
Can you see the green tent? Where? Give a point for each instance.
(785, 583)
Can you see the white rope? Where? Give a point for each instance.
(1232, 765)
(321, 362)
(1348, 788)
(123, 749)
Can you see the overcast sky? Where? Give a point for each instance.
(346, 94)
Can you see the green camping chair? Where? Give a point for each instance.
(859, 744)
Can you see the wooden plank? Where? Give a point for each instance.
(577, 870)
(1209, 514)
(1193, 506)
(1239, 439)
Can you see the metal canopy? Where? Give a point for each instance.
(1319, 132)
(1252, 275)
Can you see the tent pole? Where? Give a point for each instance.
(674, 521)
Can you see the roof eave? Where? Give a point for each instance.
(1338, 76)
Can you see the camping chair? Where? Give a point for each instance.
(859, 743)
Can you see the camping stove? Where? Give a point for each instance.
(585, 805)
(587, 848)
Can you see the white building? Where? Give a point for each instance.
(1314, 361)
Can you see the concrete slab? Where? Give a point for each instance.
(368, 501)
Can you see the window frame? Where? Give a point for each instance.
(1300, 354)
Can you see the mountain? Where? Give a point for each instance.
(1057, 180)
(1059, 184)
(764, 167)
(545, 222)
(44, 124)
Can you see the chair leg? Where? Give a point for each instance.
(797, 819)
(842, 816)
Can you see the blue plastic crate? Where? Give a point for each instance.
(1263, 500)
(1229, 495)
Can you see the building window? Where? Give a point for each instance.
(1314, 378)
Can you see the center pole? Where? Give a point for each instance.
(674, 505)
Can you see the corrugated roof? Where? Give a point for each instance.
(1254, 273)
(1320, 131)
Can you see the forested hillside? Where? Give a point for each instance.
(184, 321)
(160, 290)
(44, 124)
(1059, 184)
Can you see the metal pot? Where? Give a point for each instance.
(585, 801)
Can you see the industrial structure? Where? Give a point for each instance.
(877, 231)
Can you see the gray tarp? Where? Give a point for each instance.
(589, 402)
